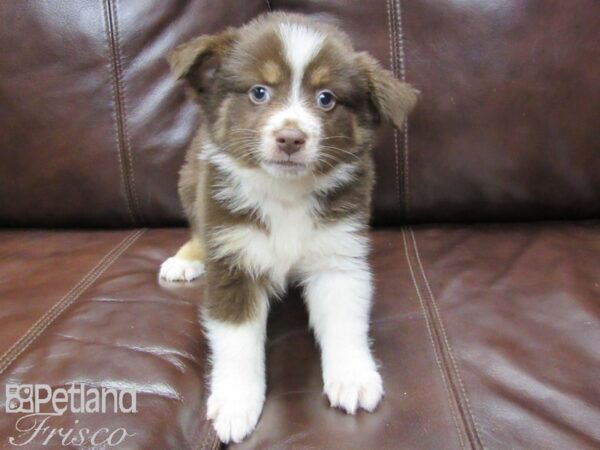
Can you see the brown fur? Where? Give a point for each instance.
(232, 293)
(221, 69)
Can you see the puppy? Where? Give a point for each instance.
(277, 188)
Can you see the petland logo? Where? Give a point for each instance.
(40, 403)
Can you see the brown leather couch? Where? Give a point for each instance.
(486, 250)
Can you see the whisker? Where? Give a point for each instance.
(331, 157)
(336, 137)
(247, 130)
(340, 150)
(239, 142)
(326, 162)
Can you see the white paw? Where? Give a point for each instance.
(177, 269)
(352, 389)
(234, 415)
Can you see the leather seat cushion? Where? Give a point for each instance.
(485, 335)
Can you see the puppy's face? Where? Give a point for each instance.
(288, 95)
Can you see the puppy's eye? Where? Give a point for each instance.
(259, 94)
(326, 100)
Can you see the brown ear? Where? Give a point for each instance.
(392, 98)
(198, 60)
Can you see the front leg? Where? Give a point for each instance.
(235, 323)
(339, 302)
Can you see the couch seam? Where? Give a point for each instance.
(393, 66)
(30, 336)
(203, 442)
(449, 396)
(216, 442)
(120, 110)
(405, 130)
(468, 415)
(210, 439)
(125, 120)
(114, 113)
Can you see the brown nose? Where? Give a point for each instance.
(290, 140)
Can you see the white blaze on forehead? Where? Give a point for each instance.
(301, 45)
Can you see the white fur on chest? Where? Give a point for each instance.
(294, 239)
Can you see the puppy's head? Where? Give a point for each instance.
(289, 95)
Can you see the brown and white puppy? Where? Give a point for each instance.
(277, 187)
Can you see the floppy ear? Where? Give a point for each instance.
(392, 98)
(197, 60)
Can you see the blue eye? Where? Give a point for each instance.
(259, 94)
(326, 100)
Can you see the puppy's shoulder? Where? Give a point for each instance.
(191, 178)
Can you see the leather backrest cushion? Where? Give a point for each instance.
(93, 129)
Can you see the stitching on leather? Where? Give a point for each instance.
(216, 443)
(400, 38)
(67, 300)
(114, 114)
(405, 130)
(390, 35)
(440, 323)
(406, 172)
(203, 443)
(210, 440)
(121, 135)
(438, 361)
(124, 116)
(393, 66)
(209, 436)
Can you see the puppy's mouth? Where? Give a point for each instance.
(284, 166)
(285, 163)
